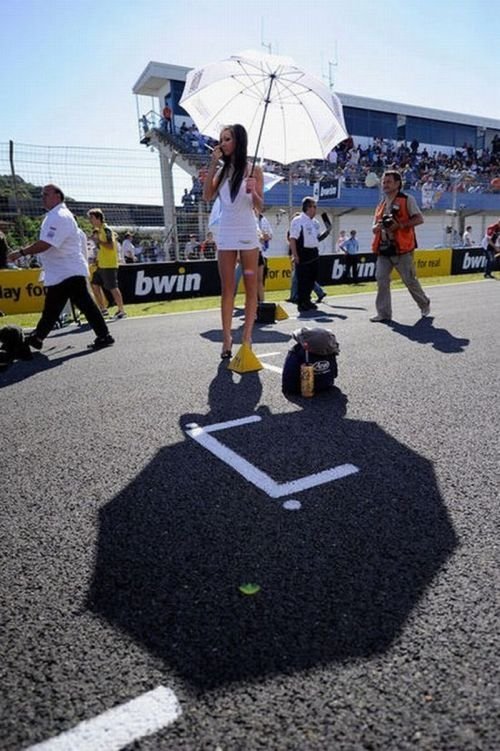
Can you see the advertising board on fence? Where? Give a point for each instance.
(21, 291)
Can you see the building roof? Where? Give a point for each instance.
(155, 75)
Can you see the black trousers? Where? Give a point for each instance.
(351, 262)
(307, 271)
(76, 289)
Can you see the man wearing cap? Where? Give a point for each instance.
(305, 235)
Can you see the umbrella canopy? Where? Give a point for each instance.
(289, 115)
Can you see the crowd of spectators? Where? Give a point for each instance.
(360, 164)
(463, 169)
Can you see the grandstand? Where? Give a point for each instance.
(447, 159)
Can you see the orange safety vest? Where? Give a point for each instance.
(404, 237)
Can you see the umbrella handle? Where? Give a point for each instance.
(272, 78)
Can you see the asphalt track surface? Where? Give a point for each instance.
(125, 541)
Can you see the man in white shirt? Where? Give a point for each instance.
(65, 270)
(128, 249)
(467, 240)
(305, 235)
(265, 235)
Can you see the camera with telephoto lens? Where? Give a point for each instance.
(387, 221)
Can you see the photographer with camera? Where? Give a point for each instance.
(305, 235)
(394, 241)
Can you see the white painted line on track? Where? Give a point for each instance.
(224, 425)
(252, 473)
(118, 727)
(269, 354)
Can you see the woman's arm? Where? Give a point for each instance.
(210, 184)
(255, 186)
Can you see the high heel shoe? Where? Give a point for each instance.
(226, 354)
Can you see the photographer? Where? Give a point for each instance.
(394, 241)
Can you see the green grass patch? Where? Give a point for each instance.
(164, 307)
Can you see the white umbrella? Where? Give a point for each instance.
(289, 115)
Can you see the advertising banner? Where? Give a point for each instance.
(21, 291)
(433, 262)
(468, 261)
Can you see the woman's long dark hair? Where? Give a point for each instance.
(240, 159)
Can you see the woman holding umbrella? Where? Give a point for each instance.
(239, 186)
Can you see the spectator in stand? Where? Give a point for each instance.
(4, 251)
(490, 249)
(209, 247)
(394, 241)
(428, 193)
(128, 249)
(166, 122)
(240, 187)
(196, 191)
(187, 200)
(105, 277)
(190, 251)
(145, 124)
(161, 253)
(467, 240)
(61, 248)
(351, 249)
(340, 241)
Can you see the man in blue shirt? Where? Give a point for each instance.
(351, 249)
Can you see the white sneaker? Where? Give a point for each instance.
(379, 319)
(426, 311)
(120, 314)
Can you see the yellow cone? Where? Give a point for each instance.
(281, 313)
(245, 361)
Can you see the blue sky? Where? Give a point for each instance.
(69, 67)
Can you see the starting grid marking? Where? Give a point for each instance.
(252, 473)
(118, 727)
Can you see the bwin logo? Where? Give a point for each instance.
(472, 262)
(366, 269)
(144, 285)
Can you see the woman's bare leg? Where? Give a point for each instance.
(249, 261)
(227, 265)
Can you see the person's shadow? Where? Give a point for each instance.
(338, 577)
(22, 369)
(424, 332)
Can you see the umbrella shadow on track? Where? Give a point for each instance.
(424, 332)
(338, 578)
